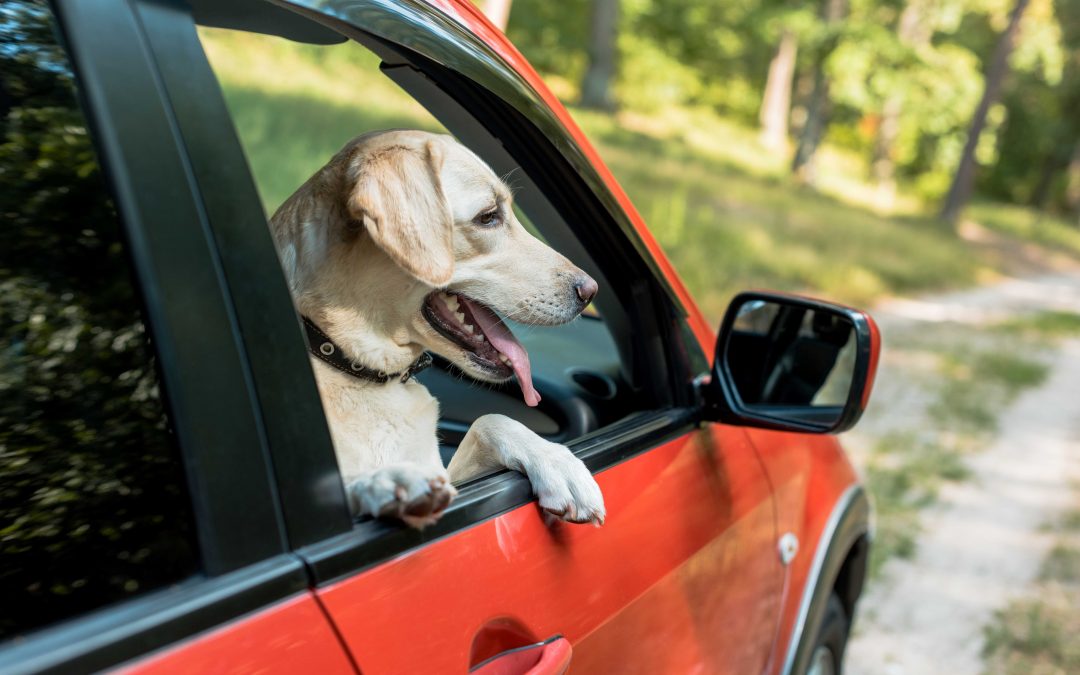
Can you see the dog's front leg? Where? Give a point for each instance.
(561, 481)
(414, 493)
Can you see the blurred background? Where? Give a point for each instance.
(918, 158)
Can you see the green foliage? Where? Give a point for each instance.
(716, 54)
(92, 503)
(653, 79)
(553, 35)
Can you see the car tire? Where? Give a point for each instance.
(827, 656)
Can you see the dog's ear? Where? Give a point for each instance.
(398, 197)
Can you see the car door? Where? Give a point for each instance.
(139, 525)
(690, 537)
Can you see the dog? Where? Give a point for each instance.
(405, 243)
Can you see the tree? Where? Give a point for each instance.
(497, 11)
(776, 103)
(1072, 189)
(817, 108)
(603, 31)
(964, 180)
(913, 31)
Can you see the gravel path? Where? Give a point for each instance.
(983, 541)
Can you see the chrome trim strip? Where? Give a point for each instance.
(842, 505)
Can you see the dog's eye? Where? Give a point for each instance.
(489, 218)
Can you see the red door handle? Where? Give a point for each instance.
(550, 657)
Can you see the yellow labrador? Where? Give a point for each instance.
(405, 242)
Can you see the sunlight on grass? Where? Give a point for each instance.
(1026, 223)
(296, 105)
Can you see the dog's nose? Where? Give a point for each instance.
(586, 289)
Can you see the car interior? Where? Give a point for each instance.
(591, 373)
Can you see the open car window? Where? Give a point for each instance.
(295, 104)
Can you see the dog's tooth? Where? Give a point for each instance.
(505, 359)
(451, 301)
(460, 316)
(469, 328)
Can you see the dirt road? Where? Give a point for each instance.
(983, 540)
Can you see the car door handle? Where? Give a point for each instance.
(550, 657)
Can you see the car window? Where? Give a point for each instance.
(93, 504)
(295, 105)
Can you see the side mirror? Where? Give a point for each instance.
(791, 363)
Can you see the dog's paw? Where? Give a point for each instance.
(566, 489)
(412, 493)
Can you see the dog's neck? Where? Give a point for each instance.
(323, 348)
(367, 336)
(369, 313)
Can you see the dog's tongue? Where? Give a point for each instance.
(502, 339)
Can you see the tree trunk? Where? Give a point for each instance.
(914, 32)
(497, 11)
(1072, 189)
(813, 130)
(776, 103)
(883, 165)
(964, 181)
(817, 108)
(1040, 194)
(596, 85)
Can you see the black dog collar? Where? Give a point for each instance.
(323, 348)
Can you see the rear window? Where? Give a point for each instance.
(93, 503)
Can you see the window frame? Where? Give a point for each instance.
(206, 380)
(401, 35)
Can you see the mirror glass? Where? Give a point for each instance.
(791, 355)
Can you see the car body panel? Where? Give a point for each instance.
(289, 637)
(808, 476)
(688, 537)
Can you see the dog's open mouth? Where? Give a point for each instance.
(480, 331)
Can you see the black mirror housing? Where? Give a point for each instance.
(792, 363)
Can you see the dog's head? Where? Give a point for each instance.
(408, 237)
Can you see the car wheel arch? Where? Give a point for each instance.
(839, 565)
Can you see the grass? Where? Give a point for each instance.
(1024, 223)
(1062, 564)
(1046, 325)
(720, 205)
(904, 475)
(976, 387)
(1040, 633)
(1036, 636)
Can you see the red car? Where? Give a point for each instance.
(169, 495)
